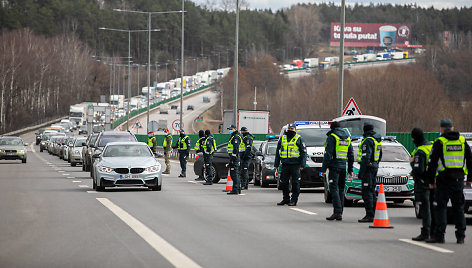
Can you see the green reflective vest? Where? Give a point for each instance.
(289, 149)
(231, 146)
(342, 146)
(197, 145)
(165, 140)
(182, 145)
(454, 154)
(213, 146)
(426, 149)
(377, 147)
(151, 141)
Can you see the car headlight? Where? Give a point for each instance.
(21, 151)
(105, 169)
(1, 151)
(153, 169)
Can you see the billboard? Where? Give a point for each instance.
(371, 35)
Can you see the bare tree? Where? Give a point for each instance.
(305, 24)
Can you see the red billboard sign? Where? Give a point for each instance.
(371, 35)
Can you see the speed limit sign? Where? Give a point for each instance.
(176, 125)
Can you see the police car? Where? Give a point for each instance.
(314, 136)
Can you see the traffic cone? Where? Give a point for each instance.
(381, 216)
(229, 183)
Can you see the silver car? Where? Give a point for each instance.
(125, 164)
(75, 151)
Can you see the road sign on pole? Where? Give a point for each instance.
(351, 108)
(137, 124)
(176, 125)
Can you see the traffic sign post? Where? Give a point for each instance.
(137, 125)
(351, 108)
(176, 125)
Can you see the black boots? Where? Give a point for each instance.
(335, 216)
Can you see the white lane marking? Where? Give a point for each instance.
(167, 175)
(92, 192)
(192, 182)
(173, 255)
(76, 181)
(65, 174)
(304, 211)
(241, 194)
(424, 245)
(84, 186)
(71, 177)
(60, 171)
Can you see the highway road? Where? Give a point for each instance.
(188, 116)
(51, 217)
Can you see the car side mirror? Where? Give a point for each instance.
(97, 154)
(83, 144)
(26, 144)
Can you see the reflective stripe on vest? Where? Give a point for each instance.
(289, 149)
(377, 148)
(182, 144)
(453, 152)
(165, 140)
(213, 147)
(197, 145)
(426, 149)
(231, 146)
(342, 146)
(150, 141)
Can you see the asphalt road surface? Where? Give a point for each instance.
(51, 217)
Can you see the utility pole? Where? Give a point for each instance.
(236, 48)
(255, 98)
(341, 60)
(182, 69)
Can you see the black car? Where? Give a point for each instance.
(190, 107)
(87, 151)
(220, 160)
(174, 107)
(83, 130)
(264, 164)
(104, 138)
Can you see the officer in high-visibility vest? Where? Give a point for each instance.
(369, 156)
(449, 162)
(423, 195)
(167, 144)
(199, 148)
(235, 148)
(246, 156)
(291, 152)
(183, 146)
(209, 147)
(152, 143)
(339, 159)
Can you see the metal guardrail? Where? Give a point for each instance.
(31, 128)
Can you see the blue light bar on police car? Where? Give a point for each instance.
(270, 136)
(467, 135)
(305, 123)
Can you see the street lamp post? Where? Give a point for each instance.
(182, 69)
(236, 45)
(341, 60)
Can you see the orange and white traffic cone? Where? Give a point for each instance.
(381, 216)
(229, 183)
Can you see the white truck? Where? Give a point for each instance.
(257, 122)
(310, 62)
(78, 114)
(135, 103)
(396, 55)
(369, 57)
(117, 101)
(144, 92)
(359, 58)
(213, 76)
(332, 60)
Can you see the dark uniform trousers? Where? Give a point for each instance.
(234, 172)
(337, 181)
(369, 194)
(446, 189)
(208, 159)
(290, 173)
(424, 197)
(183, 156)
(244, 173)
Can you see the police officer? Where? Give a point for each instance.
(449, 161)
(246, 156)
(369, 156)
(338, 153)
(199, 148)
(235, 147)
(291, 151)
(183, 146)
(209, 147)
(167, 144)
(152, 143)
(419, 163)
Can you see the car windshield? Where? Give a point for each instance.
(271, 148)
(391, 154)
(112, 138)
(78, 142)
(93, 139)
(313, 136)
(11, 141)
(137, 150)
(356, 125)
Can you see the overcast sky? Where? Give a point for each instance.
(278, 4)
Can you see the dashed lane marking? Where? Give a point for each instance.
(65, 174)
(172, 254)
(304, 211)
(192, 182)
(71, 177)
(92, 192)
(76, 181)
(84, 186)
(424, 245)
(60, 171)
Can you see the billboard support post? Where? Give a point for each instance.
(341, 61)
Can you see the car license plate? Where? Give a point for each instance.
(391, 189)
(129, 177)
(9, 153)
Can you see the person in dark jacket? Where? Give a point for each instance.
(369, 156)
(183, 146)
(337, 158)
(423, 195)
(248, 139)
(209, 147)
(449, 162)
(235, 149)
(291, 152)
(199, 148)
